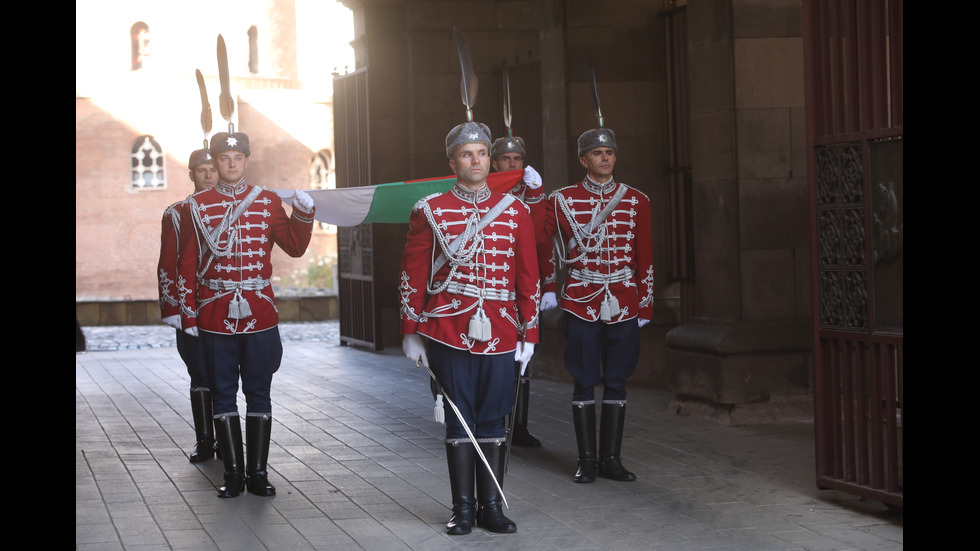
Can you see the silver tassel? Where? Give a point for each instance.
(238, 308)
(613, 305)
(480, 328)
(438, 412)
(609, 307)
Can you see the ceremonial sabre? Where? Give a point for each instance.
(469, 433)
(469, 83)
(519, 368)
(594, 91)
(225, 102)
(507, 113)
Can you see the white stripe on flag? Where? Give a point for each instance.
(340, 207)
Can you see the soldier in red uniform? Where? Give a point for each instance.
(602, 234)
(469, 309)
(508, 153)
(226, 298)
(203, 175)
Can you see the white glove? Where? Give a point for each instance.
(172, 321)
(414, 349)
(302, 201)
(192, 331)
(643, 321)
(531, 177)
(523, 355)
(549, 301)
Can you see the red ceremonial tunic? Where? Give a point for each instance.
(491, 279)
(167, 264)
(229, 257)
(535, 201)
(609, 257)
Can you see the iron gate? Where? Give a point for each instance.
(854, 103)
(359, 320)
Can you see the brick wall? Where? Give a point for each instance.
(117, 230)
(147, 312)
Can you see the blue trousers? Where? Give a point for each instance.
(189, 348)
(481, 386)
(597, 352)
(251, 357)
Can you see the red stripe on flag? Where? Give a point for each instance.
(501, 182)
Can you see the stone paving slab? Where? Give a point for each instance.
(360, 465)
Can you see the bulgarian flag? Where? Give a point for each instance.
(387, 203)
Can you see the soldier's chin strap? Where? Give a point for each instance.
(469, 433)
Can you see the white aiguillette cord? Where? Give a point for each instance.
(469, 433)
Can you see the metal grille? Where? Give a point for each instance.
(855, 66)
(841, 238)
(854, 80)
(860, 438)
(355, 245)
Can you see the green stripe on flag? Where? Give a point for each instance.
(393, 202)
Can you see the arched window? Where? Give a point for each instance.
(139, 35)
(148, 164)
(322, 177)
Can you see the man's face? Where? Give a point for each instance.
(231, 166)
(508, 161)
(471, 163)
(600, 163)
(204, 176)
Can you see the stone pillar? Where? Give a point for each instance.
(746, 357)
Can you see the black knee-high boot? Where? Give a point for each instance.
(611, 442)
(258, 430)
(583, 415)
(203, 425)
(490, 514)
(228, 431)
(521, 436)
(460, 455)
